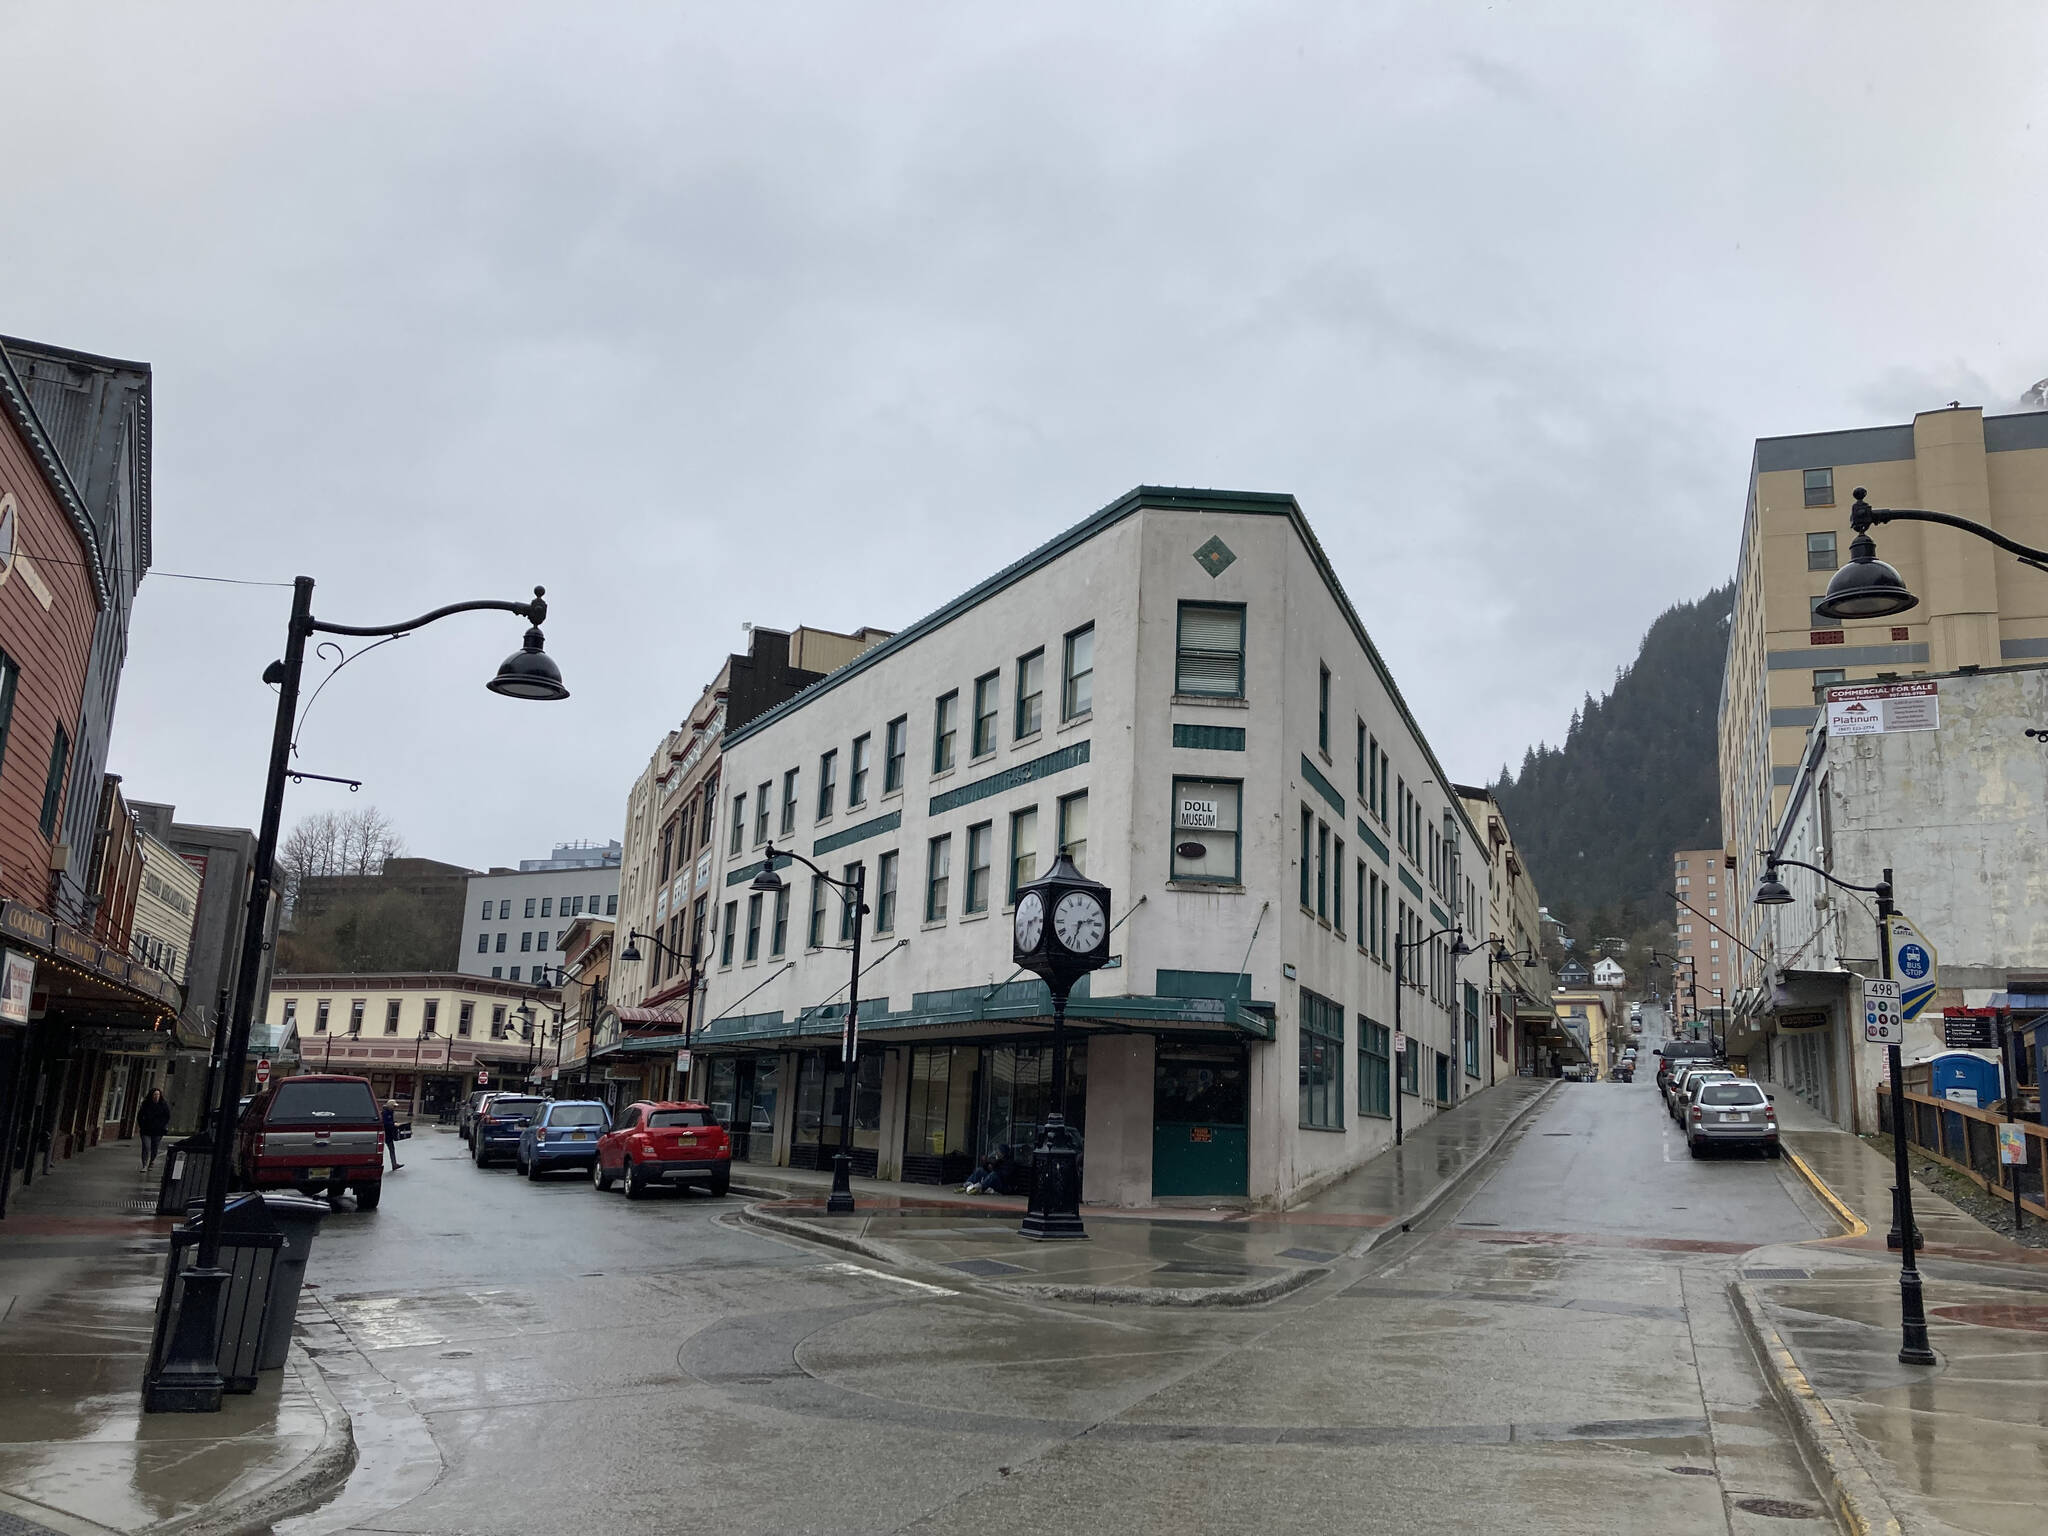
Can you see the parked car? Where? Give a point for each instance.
(500, 1124)
(675, 1143)
(563, 1135)
(1732, 1113)
(318, 1134)
(465, 1119)
(1674, 1054)
(1689, 1087)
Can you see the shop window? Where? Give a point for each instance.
(1321, 1063)
(1374, 1052)
(1205, 830)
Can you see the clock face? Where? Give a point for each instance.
(1079, 922)
(1030, 921)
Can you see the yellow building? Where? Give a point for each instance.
(1586, 1016)
(422, 1038)
(1977, 608)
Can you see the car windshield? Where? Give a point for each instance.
(576, 1114)
(671, 1117)
(501, 1107)
(323, 1104)
(1732, 1093)
(1700, 1079)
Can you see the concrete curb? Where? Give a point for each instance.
(1443, 1191)
(319, 1473)
(1104, 1295)
(1857, 1499)
(1852, 1224)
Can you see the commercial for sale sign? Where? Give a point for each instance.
(1915, 966)
(1879, 708)
(17, 984)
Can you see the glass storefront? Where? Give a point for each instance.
(967, 1100)
(743, 1096)
(821, 1104)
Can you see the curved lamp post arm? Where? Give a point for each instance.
(845, 888)
(535, 612)
(1882, 888)
(1863, 516)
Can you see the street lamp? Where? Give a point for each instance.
(851, 895)
(630, 955)
(188, 1381)
(1498, 953)
(1692, 980)
(1867, 588)
(1459, 949)
(1771, 892)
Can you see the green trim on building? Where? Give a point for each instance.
(1323, 786)
(1217, 984)
(1410, 881)
(1209, 738)
(856, 834)
(1371, 840)
(1010, 778)
(748, 871)
(1437, 912)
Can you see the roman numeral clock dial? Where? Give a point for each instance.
(1079, 922)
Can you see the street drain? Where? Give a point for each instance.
(1778, 1509)
(1774, 1274)
(456, 1354)
(1692, 1471)
(1557, 1133)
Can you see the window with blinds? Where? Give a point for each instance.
(1210, 654)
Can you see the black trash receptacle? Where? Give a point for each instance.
(184, 1177)
(250, 1245)
(298, 1218)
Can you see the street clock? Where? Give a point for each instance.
(1062, 925)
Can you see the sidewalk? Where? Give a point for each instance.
(80, 1267)
(1958, 1446)
(1187, 1254)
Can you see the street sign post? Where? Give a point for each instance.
(1882, 1022)
(483, 1077)
(1969, 1032)
(1400, 1042)
(262, 1070)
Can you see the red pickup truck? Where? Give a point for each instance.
(314, 1134)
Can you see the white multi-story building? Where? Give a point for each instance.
(513, 919)
(1178, 692)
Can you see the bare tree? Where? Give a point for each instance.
(335, 843)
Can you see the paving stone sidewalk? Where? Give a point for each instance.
(1958, 1446)
(80, 1266)
(1183, 1253)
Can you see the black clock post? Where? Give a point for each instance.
(1062, 933)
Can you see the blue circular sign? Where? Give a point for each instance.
(1913, 961)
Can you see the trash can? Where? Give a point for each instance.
(250, 1244)
(185, 1172)
(298, 1219)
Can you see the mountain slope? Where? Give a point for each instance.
(1599, 817)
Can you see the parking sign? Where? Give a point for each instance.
(1882, 1023)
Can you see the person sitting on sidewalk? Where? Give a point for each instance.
(993, 1176)
(152, 1120)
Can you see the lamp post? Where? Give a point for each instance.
(852, 895)
(630, 955)
(188, 1381)
(1771, 892)
(1692, 980)
(1459, 949)
(1498, 953)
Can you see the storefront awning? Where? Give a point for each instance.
(643, 1017)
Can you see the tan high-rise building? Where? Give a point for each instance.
(1977, 607)
(1704, 927)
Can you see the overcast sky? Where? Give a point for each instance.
(820, 313)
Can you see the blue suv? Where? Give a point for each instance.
(563, 1135)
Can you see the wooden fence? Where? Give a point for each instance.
(1967, 1140)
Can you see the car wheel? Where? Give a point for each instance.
(721, 1184)
(533, 1172)
(519, 1162)
(598, 1177)
(367, 1195)
(1696, 1149)
(636, 1182)
(478, 1155)
(1774, 1150)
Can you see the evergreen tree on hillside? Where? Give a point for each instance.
(1636, 779)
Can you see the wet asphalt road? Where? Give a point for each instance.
(1553, 1351)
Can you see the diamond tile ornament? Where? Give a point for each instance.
(1215, 557)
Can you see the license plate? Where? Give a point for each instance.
(579, 1135)
(1736, 1119)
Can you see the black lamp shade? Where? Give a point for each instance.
(631, 953)
(529, 672)
(1865, 588)
(767, 880)
(1771, 892)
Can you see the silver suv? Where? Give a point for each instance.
(1731, 1113)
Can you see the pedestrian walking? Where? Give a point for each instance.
(151, 1121)
(391, 1132)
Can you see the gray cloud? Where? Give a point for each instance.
(818, 314)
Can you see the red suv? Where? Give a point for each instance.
(314, 1134)
(664, 1143)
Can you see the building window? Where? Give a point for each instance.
(1077, 691)
(1374, 1097)
(762, 805)
(1307, 862)
(895, 748)
(1030, 693)
(985, 690)
(10, 675)
(979, 854)
(1820, 487)
(828, 782)
(531, 903)
(697, 911)
(1825, 678)
(1023, 849)
(465, 1020)
(483, 943)
(526, 942)
(432, 1009)
(501, 943)
(754, 926)
(497, 1021)
(1323, 870)
(1209, 657)
(938, 878)
(1205, 830)
(1820, 552)
(885, 893)
(1471, 1030)
(547, 904)
(857, 771)
(611, 904)
(945, 731)
(320, 1017)
(1337, 886)
(497, 973)
(1411, 1068)
(1073, 828)
(815, 932)
(487, 911)
(504, 911)
(1322, 1063)
(515, 974)
(739, 822)
(1361, 763)
(1362, 907)
(291, 1012)
(1814, 618)
(1323, 709)
(848, 916)
(778, 939)
(53, 786)
(732, 924)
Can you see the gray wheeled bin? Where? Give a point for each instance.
(298, 1218)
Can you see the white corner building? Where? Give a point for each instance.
(1178, 691)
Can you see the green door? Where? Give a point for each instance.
(1199, 1101)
